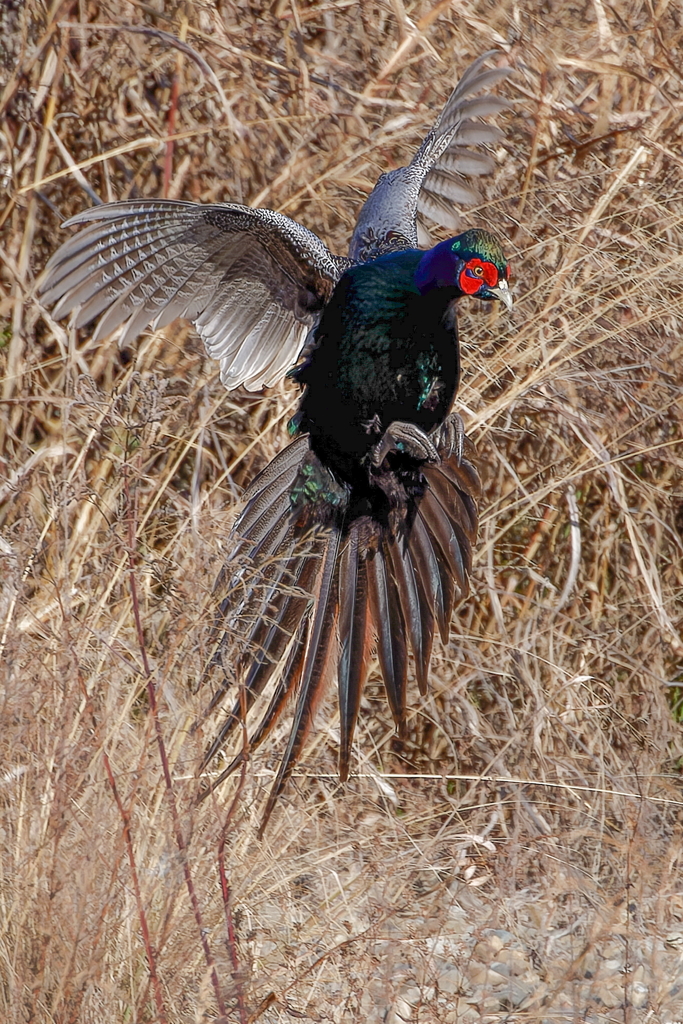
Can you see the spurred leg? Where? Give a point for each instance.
(405, 437)
(449, 436)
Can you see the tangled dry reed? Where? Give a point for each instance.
(519, 857)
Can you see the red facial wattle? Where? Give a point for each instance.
(476, 273)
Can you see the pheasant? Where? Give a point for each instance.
(361, 529)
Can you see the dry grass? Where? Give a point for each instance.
(520, 857)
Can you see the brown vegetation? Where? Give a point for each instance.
(519, 858)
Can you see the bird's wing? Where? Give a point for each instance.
(307, 576)
(252, 281)
(435, 182)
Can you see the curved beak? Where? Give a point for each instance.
(502, 292)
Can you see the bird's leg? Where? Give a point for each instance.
(404, 437)
(449, 436)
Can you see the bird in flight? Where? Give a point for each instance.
(360, 531)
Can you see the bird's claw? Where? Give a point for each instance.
(373, 426)
(405, 437)
(449, 436)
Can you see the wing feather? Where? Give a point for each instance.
(461, 161)
(389, 217)
(253, 281)
(440, 209)
(476, 133)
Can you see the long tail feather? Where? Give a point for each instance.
(464, 477)
(415, 613)
(445, 594)
(269, 640)
(263, 527)
(353, 640)
(458, 502)
(288, 460)
(427, 571)
(289, 677)
(392, 649)
(441, 529)
(266, 537)
(312, 677)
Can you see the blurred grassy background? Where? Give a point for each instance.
(518, 858)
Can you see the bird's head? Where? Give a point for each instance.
(472, 262)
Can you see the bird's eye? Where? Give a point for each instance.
(479, 271)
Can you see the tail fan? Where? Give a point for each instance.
(314, 571)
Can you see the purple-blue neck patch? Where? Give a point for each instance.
(437, 268)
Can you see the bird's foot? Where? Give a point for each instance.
(404, 437)
(449, 436)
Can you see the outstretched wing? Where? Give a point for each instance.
(394, 214)
(252, 281)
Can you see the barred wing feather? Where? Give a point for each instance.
(434, 184)
(252, 281)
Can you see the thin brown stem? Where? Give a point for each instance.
(144, 927)
(168, 780)
(150, 951)
(226, 889)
